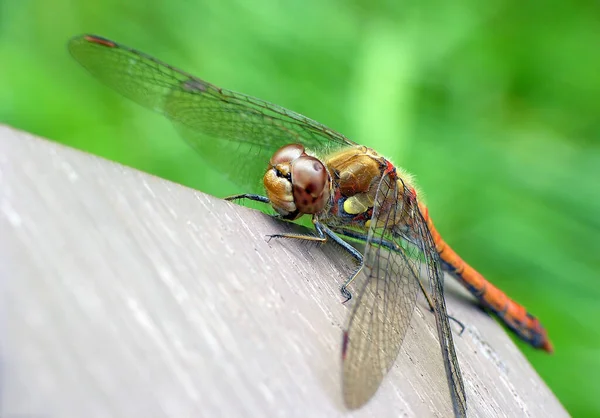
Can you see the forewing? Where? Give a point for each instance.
(385, 297)
(248, 130)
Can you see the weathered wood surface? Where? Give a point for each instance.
(126, 295)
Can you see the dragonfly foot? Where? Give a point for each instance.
(346, 294)
(460, 324)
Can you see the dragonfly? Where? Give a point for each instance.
(349, 190)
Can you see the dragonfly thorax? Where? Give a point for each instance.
(296, 183)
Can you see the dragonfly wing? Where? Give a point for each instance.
(385, 297)
(248, 130)
(436, 283)
(387, 290)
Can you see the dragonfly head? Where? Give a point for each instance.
(296, 183)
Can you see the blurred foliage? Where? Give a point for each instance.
(495, 107)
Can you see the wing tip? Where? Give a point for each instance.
(93, 39)
(99, 40)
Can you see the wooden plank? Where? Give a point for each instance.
(129, 296)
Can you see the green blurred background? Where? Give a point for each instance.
(495, 107)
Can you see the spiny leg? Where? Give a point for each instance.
(344, 289)
(393, 247)
(322, 233)
(249, 196)
(321, 229)
(263, 199)
(351, 250)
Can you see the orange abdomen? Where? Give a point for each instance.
(514, 315)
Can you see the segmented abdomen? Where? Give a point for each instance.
(514, 315)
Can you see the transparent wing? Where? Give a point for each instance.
(248, 130)
(385, 297)
(436, 283)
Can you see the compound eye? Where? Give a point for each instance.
(286, 154)
(311, 184)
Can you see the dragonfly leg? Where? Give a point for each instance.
(460, 324)
(321, 238)
(430, 303)
(344, 289)
(249, 196)
(351, 250)
(323, 232)
(393, 247)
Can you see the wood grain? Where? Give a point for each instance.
(126, 295)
